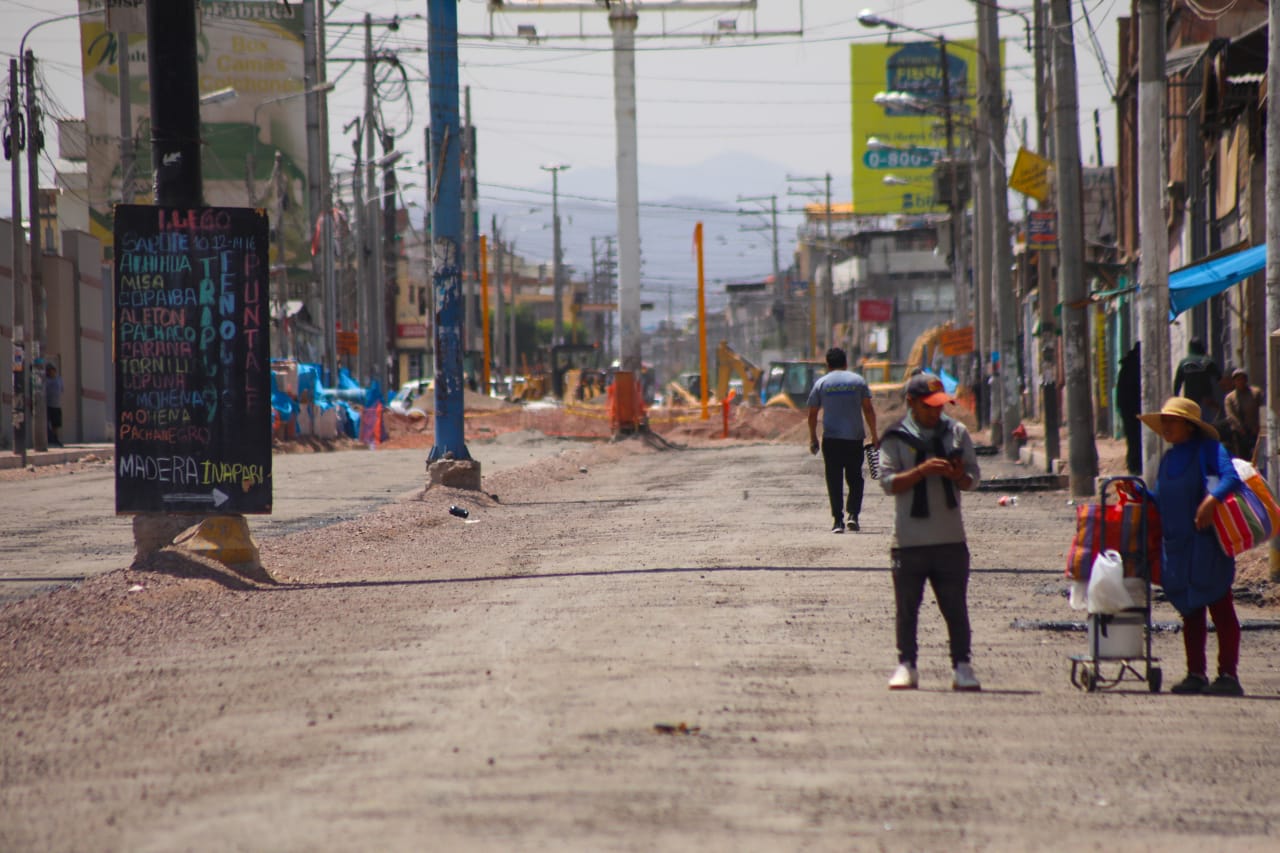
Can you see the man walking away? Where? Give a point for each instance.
(926, 460)
(1201, 376)
(1129, 403)
(844, 398)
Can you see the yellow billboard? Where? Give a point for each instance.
(899, 116)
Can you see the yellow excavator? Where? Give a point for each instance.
(729, 362)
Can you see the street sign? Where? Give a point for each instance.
(1030, 175)
(956, 341)
(192, 360)
(875, 310)
(348, 343)
(1042, 230)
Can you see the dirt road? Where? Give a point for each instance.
(420, 682)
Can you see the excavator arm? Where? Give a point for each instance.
(729, 362)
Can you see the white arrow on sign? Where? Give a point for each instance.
(217, 498)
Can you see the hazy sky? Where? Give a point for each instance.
(781, 97)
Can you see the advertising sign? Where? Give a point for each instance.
(253, 48)
(1042, 230)
(875, 310)
(192, 360)
(901, 136)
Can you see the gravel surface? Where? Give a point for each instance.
(636, 646)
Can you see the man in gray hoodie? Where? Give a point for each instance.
(926, 460)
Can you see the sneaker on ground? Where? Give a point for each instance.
(1225, 685)
(905, 677)
(838, 527)
(1190, 686)
(964, 679)
(853, 523)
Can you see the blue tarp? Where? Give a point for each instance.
(1190, 286)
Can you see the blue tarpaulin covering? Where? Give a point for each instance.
(1190, 286)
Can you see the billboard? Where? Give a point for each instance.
(898, 137)
(254, 47)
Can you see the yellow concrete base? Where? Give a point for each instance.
(224, 538)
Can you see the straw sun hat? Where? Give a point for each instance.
(1179, 407)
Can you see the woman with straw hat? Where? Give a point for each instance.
(1195, 572)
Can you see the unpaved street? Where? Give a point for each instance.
(420, 682)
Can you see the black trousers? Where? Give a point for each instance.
(946, 568)
(842, 460)
(1133, 443)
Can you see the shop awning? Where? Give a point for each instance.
(1190, 286)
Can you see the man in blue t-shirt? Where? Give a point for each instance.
(844, 398)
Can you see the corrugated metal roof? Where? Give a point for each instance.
(1180, 59)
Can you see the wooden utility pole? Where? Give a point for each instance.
(1082, 453)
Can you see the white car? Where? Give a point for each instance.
(403, 401)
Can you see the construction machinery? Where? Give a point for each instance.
(788, 383)
(729, 362)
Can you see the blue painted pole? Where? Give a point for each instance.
(446, 228)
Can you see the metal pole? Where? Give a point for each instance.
(1082, 454)
(704, 383)
(622, 22)
(446, 225)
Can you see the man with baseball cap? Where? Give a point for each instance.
(926, 460)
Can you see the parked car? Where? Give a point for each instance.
(403, 401)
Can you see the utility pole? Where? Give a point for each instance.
(1273, 261)
(470, 270)
(390, 254)
(444, 154)
(17, 141)
(1047, 285)
(557, 265)
(1001, 253)
(982, 227)
(363, 321)
(779, 311)
(280, 278)
(1081, 452)
(373, 287)
(828, 291)
(34, 358)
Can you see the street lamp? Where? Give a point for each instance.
(557, 334)
(252, 157)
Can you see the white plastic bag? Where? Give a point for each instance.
(1079, 598)
(1107, 592)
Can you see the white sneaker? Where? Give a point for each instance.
(964, 679)
(905, 677)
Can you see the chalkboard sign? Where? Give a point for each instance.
(192, 360)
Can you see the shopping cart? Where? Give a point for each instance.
(1120, 643)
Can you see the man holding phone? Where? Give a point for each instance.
(926, 460)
